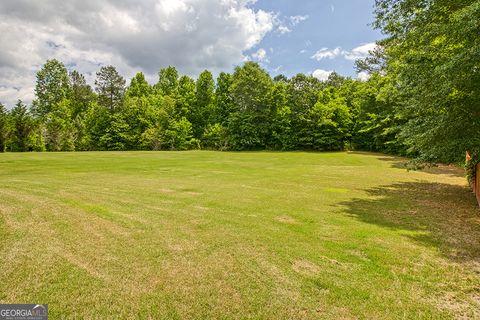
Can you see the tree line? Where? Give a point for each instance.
(246, 110)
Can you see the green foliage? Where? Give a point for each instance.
(471, 167)
(282, 119)
(4, 128)
(97, 121)
(82, 95)
(116, 136)
(167, 81)
(166, 131)
(251, 90)
(432, 55)
(215, 137)
(377, 127)
(282, 131)
(331, 120)
(179, 135)
(138, 87)
(185, 100)
(302, 93)
(280, 78)
(59, 129)
(22, 136)
(138, 115)
(243, 132)
(224, 104)
(110, 87)
(52, 87)
(246, 110)
(203, 112)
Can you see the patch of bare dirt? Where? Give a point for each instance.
(286, 220)
(305, 267)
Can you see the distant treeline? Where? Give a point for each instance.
(246, 110)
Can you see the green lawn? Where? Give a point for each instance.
(196, 235)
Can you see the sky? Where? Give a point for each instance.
(284, 36)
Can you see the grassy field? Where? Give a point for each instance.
(196, 235)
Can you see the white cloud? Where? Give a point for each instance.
(325, 53)
(284, 29)
(133, 35)
(260, 55)
(321, 75)
(294, 20)
(287, 26)
(363, 76)
(360, 52)
(170, 7)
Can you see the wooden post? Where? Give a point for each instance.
(468, 157)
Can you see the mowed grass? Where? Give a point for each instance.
(211, 235)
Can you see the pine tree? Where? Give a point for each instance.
(110, 87)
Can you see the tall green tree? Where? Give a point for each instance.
(251, 91)
(377, 125)
(179, 135)
(330, 121)
(137, 116)
(59, 133)
(4, 128)
(167, 81)
(185, 100)
(23, 136)
(154, 137)
(280, 78)
(282, 130)
(82, 94)
(82, 98)
(302, 93)
(335, 80)
(97, 121)
(54, 106)
(432, 53)
(169, 132)
(139, 87)
(52, 87)
(223, 97)
(110, 87)
(203, 112)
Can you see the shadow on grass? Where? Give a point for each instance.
(436, 169)
(446, 214)
(402, 163)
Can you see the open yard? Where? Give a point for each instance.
(195, 235)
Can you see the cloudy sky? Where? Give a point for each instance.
(284, 36)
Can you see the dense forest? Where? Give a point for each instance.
(246, 110)
(422, 99)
